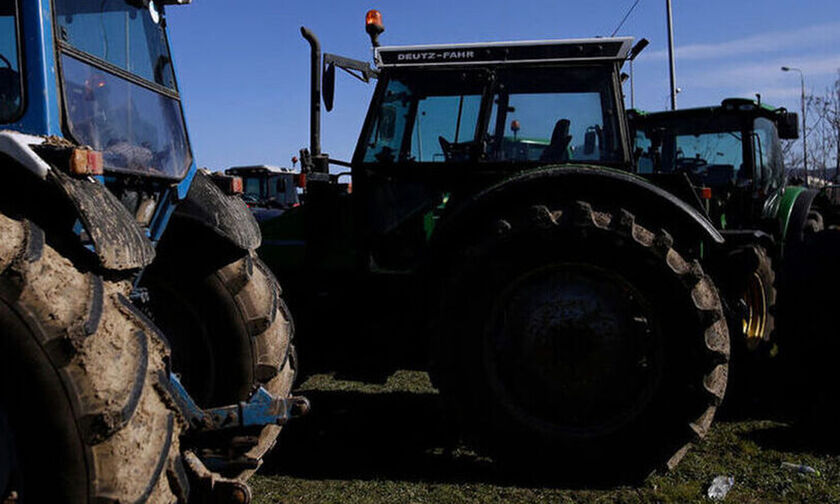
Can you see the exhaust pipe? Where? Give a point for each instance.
(320, 163)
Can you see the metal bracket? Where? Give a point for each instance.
(261, 409)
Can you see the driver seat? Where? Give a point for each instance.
(557, 149)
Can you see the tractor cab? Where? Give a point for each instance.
(727, 158)
(447, 121)
(496, 105)
(98, 79)
(267, 190)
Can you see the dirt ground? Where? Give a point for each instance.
(369, 443)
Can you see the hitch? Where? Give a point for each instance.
(261, 409)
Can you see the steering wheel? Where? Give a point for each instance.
(6, 61)
(689, 165)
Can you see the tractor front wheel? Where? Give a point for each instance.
(84, 416)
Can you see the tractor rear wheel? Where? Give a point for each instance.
(231, 332)
(81, 401)
(578, 332)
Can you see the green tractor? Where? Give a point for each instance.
(497, 236)
(726, 161)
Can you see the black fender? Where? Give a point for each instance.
(109, 236)
(118, 241)
(550, 185)
(209, 221)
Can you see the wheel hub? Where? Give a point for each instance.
(573, 347)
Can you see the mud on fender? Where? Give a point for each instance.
(119, 242)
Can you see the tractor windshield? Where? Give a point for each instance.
(537, 114)
(119, 87)
(714, 150)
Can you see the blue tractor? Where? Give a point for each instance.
(145, 351)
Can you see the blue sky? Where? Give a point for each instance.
(244, 70)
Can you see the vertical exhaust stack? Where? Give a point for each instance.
(319, 162)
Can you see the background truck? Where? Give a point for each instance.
(558, 300)
(145, 352)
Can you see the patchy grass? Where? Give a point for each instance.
(384, 443)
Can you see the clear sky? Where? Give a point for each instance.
(243, 67)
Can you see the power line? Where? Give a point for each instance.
(630, 11)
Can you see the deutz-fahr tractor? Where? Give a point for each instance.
(726, 161)
(496, 226)
(145, 351)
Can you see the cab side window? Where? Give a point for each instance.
(10, 80)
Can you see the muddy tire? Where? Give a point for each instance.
(577, 335)
(79, 391)
(231, 332)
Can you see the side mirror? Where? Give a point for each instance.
(589, 141)
(328, 85)
(788, 125)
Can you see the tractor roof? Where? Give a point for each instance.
(728, 105)
(531, 51)
(256, 169)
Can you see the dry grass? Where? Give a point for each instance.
(369, 443)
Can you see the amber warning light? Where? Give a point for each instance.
(374, 26)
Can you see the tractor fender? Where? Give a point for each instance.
(55, 199)
(587, 183)
(207, 215)
(17, 146)
(118, 240)
(795, 215)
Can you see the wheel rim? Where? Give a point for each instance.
(573, 349)
(754, 321)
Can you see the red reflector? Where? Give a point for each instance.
(86, 162)
(706, 193)
(236, 186)
(300, 180)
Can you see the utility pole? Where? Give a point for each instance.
(671, 55)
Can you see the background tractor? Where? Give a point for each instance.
(267, 190)
(497, 236)
(727, 162)
(145, 352)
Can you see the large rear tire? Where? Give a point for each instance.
(577, 335)
(79, 390)
(231, 332)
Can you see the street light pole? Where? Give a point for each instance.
(804, 123)
(671, 55)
